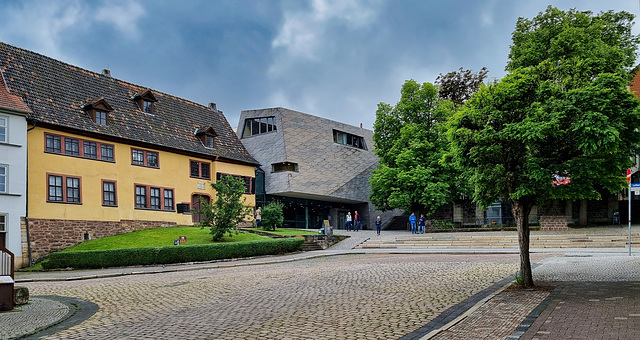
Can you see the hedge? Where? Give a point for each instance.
(170, 254)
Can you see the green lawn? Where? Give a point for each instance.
(289, 232)
(159, 237)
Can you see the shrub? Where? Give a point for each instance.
(170, 254)
(272, 216)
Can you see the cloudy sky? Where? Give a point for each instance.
(331, 58)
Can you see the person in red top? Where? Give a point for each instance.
(356, 221)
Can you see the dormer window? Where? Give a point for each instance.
(101, 118)
(98, 111)
(147, 106)
(146, 101)
(208, 141)
(207, 137)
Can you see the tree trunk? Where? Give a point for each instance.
(521, 209)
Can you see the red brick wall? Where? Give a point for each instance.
(554, 222)
(635, 85)
(48, 235)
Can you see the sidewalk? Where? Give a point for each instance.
(573, 272)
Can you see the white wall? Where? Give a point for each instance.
(13, 153)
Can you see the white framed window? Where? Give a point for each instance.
(4, 126)
(3, 222)
(4, 174)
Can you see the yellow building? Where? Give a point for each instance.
(107, 157)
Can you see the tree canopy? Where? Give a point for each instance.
(410, 141)
(562, 110)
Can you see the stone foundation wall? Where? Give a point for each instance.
(557, 222)
(48, 235)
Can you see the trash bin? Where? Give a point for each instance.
(6, 293)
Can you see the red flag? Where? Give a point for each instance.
(629, 175)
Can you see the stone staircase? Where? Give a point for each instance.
(458, 241)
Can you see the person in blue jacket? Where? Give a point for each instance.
(378, 224)
(421, 223)
(412, 220)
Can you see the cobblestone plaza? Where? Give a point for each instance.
(369, 296)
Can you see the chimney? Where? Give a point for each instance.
(106, 72)
(361, 125)
(213, 106)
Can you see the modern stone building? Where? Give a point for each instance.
(317, 167)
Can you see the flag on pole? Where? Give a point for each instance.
(629, 175)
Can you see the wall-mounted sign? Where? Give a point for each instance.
(201, 186)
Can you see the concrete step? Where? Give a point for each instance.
(443, 241)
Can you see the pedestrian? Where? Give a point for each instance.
(347, 223)
(421, 222)
(378, 224)
(412, 220)
(356, 221)
(258, 216)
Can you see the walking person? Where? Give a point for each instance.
(347, 223)
(356, 221)
(378, 225)
(421, 222)
(258, 216)
(412, 220)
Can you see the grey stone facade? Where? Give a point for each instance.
(326, 171)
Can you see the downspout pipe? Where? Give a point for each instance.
(26, 214)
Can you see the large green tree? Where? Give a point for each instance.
(563, 110)
(410, 140)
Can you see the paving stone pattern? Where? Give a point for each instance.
(599, 298)
(497, 318)
(42, 312)
(368, 296)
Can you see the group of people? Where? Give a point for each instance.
(421, 223)
(354, 223)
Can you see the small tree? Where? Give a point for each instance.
(228, 211)
(272, 216)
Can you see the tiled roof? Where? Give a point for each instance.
(55, 93)
(10, 101)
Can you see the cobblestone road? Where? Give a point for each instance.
(367, 296)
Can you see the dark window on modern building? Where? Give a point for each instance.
(348, 139)
(200, 169)
(109, 194)
(284, 166)
(257, 126)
